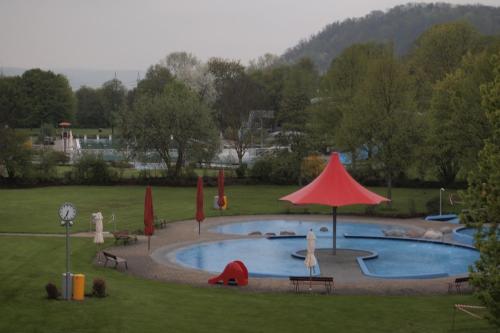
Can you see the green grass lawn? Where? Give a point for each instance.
(137, 305)
(35, 210)
(27, 264)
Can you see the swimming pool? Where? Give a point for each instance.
(272, 257)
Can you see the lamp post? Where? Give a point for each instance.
(441, 201)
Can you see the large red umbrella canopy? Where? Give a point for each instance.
(334, 187)
(200, 214)
(220, 185)
(149, 228)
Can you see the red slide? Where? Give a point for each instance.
(235, 272)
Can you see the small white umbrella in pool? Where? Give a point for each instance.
(98, 236)
(310, 260)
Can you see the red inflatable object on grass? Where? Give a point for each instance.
(235, 272)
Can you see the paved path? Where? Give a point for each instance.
(159, 265)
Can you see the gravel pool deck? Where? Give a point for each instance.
(343, 267)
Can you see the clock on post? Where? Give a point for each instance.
(67, 212)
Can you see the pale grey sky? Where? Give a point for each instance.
(133, 34)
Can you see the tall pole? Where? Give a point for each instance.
(334, 221)
(68, 295)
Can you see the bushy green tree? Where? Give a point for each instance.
(47, 98)
(113, 96)
(154, 83)
(175, 119)
(437, 52)
(483, 202)
(15, 154)
(89, 108)
(337, 119)
(92, 169)
(389, 118)
(11, 100)
(238, 94)
(457, 122)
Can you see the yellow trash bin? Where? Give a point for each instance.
(78, 287)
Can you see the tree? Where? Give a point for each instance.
(48, 98)
(483, 201)
(389, 119)
(267, 61)
(458, 124)
(113, 96)
(237, 95)
(299, 88)
(11, 99)
(156, 79)
(437, 52)
(193, 73)
(89, 108)
(337, 115)
(15, 154)
(175, 119)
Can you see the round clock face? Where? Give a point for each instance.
(67, 212)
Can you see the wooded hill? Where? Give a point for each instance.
(400, 25)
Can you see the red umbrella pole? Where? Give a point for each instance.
(334, 218)
(148, 216)
(200, 215)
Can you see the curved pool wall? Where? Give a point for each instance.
(302, 227)
(465, 235)
(390, 259)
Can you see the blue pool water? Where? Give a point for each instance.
(272, 257)
(466, 235)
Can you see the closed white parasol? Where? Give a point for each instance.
(98, 236)
(310, 260)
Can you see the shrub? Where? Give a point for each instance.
(278, 168)
(241, 170)
(432, 205)
(312, 167)
(285, 168)
(262, 169)
(52, 292)
(92, 169)
(99, 287)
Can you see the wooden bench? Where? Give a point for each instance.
(326, 281)
(124, 236)
(117, 260)
(457, 283)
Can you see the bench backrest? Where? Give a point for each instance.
(107, 254)
(314, 278)
(462, 279)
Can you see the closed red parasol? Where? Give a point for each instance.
(220, 184)
(149, 228)
(334, 187)
(200, 214)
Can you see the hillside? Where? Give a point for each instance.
(400, 25)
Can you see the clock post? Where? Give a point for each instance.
(67, 213)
